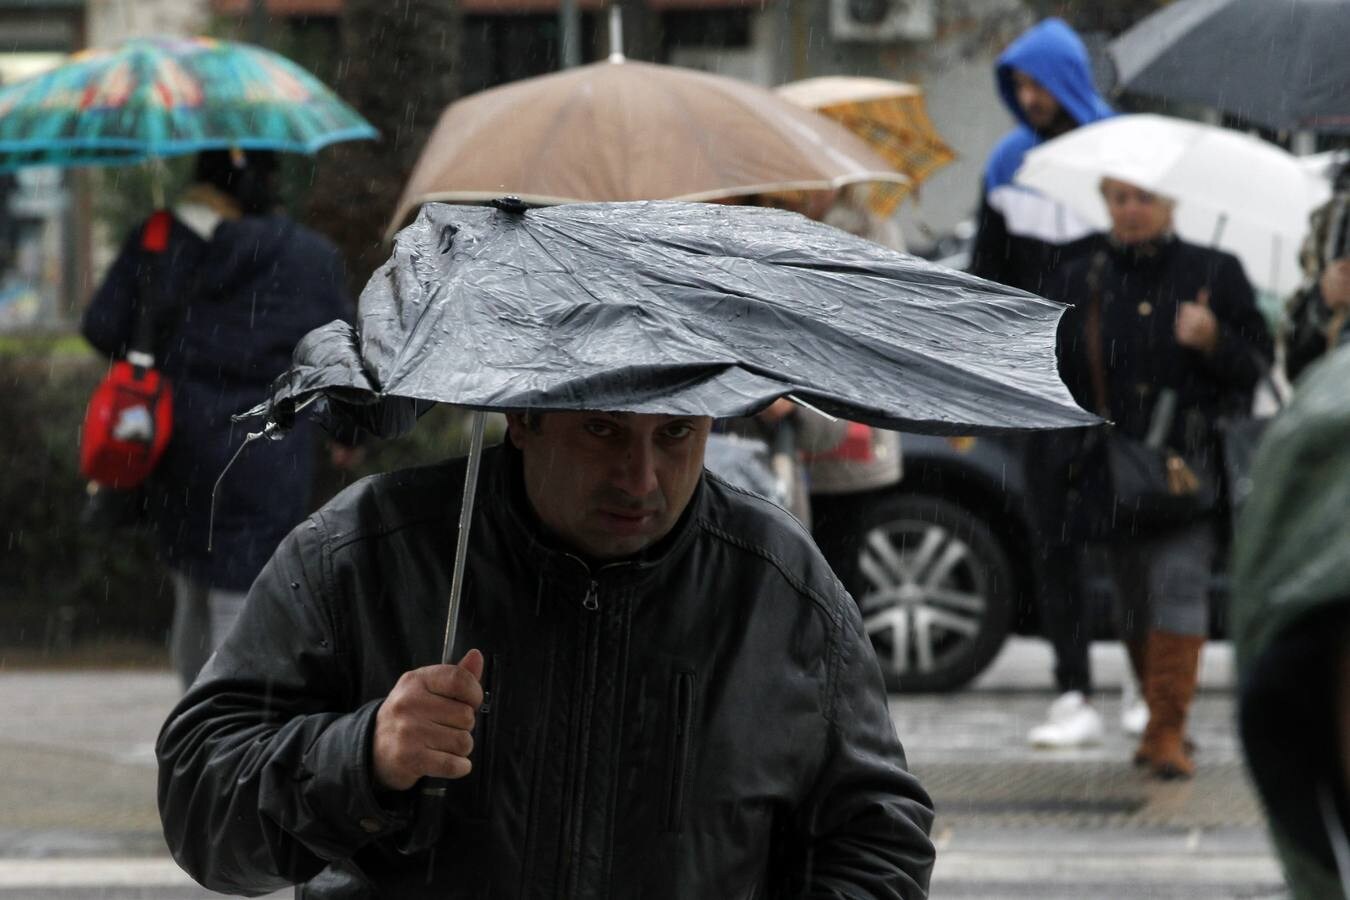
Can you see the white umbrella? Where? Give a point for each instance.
(1233, 191)
(1325, 165)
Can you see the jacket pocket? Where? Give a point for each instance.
(682, 723)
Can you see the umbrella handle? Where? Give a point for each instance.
(429, 811)
(1219, 225)
(156, 167)
(428, 817)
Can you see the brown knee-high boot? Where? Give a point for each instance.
(1170, 676)
(1138, 653)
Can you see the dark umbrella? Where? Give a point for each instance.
(1284, 65)
(681, 308)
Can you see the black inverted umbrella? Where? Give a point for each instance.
(1284, 64)
(681, 308)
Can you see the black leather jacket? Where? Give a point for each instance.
(707, 720)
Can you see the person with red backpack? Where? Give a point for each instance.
(215, 295)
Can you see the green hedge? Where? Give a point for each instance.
(62, 585)
(59, 582)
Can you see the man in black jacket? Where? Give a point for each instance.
(662, 692)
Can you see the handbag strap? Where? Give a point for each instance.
(155, 244)
(1267, 377)
(1164, 409)
(1096, 362)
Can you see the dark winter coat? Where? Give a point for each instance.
(705, 720)
(1022, 234)
(1141, 290)
(231, 311)
(1290, 624)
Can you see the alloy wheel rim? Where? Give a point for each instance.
(926, 595)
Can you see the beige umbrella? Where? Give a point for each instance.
(890, 116)
(624, 130)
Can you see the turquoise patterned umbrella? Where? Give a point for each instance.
(164, 96)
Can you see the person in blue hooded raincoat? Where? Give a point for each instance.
(1045, 80)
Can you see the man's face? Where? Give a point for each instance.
(1038, 105)
(1136, 214)
(610, 484)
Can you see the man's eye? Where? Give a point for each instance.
(678, 432)
(600, 429)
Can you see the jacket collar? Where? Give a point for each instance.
(509, 511)
(1142, 256)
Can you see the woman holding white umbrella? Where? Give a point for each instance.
(1163, 337)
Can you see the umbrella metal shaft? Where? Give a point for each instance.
(616, 33)
(426, 828)
(477, 425)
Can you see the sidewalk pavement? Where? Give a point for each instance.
(974, 758)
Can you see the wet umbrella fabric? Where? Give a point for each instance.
(624, 130)
(679, 308)
(1234, 191)
(1283, 65)
(159, 97)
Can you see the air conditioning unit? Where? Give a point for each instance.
(882, 20)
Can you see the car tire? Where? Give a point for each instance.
(935, 589)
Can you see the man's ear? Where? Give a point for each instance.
(517, 430)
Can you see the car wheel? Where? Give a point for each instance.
(935, 590)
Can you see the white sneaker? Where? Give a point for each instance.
(1072, 722)
(1133, 709)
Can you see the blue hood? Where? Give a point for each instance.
(1052, 53)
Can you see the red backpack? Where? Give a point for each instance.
(130, 416)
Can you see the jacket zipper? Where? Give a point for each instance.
(682, 690)
(576, 791)
(486, 730)
(578, 767)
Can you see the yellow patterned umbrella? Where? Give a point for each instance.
(889, 115)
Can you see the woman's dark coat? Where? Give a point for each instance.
(1141, 290)
(227, 315)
